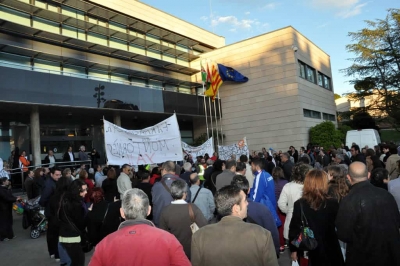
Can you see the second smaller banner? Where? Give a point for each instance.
(206, 147)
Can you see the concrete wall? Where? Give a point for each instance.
(312, 96)
(159, 18)
(268, 109)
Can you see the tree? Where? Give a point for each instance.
(376, 67)
(343, 129)
(326, 135)
(363, 120)
(337, 96)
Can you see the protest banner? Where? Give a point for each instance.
(206, 147)
(234, 150)
(155, 144)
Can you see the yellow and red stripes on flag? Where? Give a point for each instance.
(214, 80)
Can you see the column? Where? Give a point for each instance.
(117, 119)
(35, 136)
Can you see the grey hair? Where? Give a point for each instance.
(178, 188)
(340, 156)
(287, 155)
(82, 146)
(135, 204)
(187, 166)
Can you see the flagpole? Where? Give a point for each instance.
(216, 121)
(211, 122)
(205, 110)
(220, 115)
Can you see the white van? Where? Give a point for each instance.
(363, 137)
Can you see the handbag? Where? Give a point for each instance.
(193, 226)
(305, 239)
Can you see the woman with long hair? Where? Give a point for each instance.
(320, 212)
(96, 216)
(53, 229)
(84, 176)
(71, 214)
(109, 186)
(291, 192)
(337, 185)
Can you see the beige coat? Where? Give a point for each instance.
(233, 242)
(391, 166)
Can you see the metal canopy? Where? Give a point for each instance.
(98, 29)
(87, 46)
(93, 65)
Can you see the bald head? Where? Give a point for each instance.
(358, 172)
(194, 179)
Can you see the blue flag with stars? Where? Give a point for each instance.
(229, 74)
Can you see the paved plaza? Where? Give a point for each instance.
(24, 251)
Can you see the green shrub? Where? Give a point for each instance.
(326, 135)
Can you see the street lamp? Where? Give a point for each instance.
(99, 93)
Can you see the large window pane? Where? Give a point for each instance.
(320, 79)
(310, 74)
(302, 71)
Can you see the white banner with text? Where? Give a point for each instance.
(155, 144)
(206, 147)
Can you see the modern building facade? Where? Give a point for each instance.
(289, 90)
(57, 57)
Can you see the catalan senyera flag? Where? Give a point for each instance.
(213, 80)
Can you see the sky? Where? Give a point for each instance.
(325, 22)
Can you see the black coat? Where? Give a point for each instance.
(287, 169)
(368, 221)
(110, 189)
(113, 218)
(6, 218)
(66, 157)
(322, 222)
(94, 221)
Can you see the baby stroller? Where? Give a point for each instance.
(34, 217)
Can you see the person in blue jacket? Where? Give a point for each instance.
(263, 189)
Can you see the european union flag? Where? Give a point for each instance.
(229, 74)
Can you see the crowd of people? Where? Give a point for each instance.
(208, 211)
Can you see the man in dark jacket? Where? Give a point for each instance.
(161, 190)
(368, 220)
(49, 188)
(48, 191)
(356, 155)
(287, 165)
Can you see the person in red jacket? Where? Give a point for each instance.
(138, 234)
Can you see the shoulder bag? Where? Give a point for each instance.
(305, 239)
(197, 193)
(193, 226)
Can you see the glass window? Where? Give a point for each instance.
(307, 113)
(302, 71)
(329, 117)
(327, 83)
(311, 114)
(320, 80)
(310, 74)
(316, 114)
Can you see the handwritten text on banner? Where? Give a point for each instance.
(206, 147)
(155, 144)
